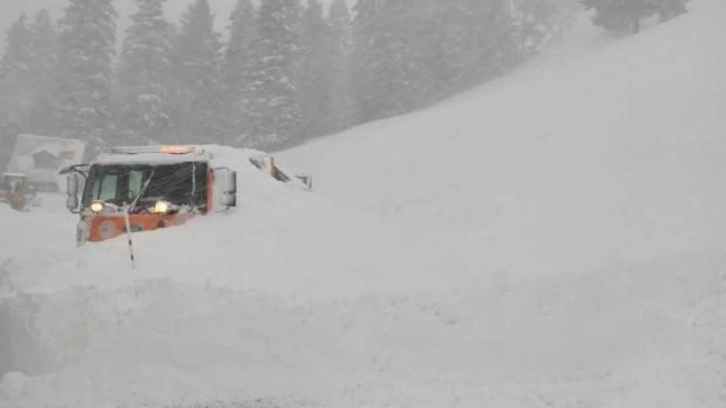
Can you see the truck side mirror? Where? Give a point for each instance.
(72, 201)
(72, 184)
(230, 190)
(228, 185)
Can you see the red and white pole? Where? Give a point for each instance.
(128, 233)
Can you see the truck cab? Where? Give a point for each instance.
(145, 188)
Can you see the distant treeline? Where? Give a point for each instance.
(287, 73)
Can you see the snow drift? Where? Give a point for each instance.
(610, 153)
(552, 239)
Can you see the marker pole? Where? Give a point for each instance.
(128, 233)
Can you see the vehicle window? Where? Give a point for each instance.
(95, 188)
(182, 183)
(107, 189)
(136, 180)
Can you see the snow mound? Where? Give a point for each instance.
(229, 295)
(279, 238)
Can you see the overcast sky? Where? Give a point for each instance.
(10, 11)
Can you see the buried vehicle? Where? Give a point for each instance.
(16, 190)
(146, 188)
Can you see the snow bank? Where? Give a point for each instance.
(231, 290)
(279, 238)
(645, 334)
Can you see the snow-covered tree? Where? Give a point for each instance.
(16, 73)
(44, 44)
(8, 132)
(315, 70)
(88, 36)
(491, 41)
(44, 47)
(370, 61)
(27, 74)
(625, 16)
(668, 9)
(196, 59)
(414, 43)
(18, 55)
(538, 23)
(341, 47)
(403, 54)
(447, 46)
(409, 53)
(276, 111)
(433, 31)
(144, 74)
(236, 72)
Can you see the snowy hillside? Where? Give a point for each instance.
(616, 151)
(555, 238)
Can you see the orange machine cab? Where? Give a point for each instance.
(145, 188)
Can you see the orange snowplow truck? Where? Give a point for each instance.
(146, 188)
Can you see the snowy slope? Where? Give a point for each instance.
(616, 152)
(551, 239)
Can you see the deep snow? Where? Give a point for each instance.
(554, 238)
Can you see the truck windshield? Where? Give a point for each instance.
(178, 183)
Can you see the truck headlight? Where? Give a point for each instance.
(96, 206)
(162, 207)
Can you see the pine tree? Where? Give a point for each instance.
(144, 74)
(370, 53)
(16, 74)
(624, 16)
(44, 40)
(315, 71)
(196, 60)
(424, 27)
(409, 53)
(399, 56)
(88, 35)
(8, 133)
(489, 44)
(668, 9)
(341, 47)
(537, 24)
(16, 60)
(236, 74)
(13, 82)
(449, 44)
(414, 41)
(276, 110)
